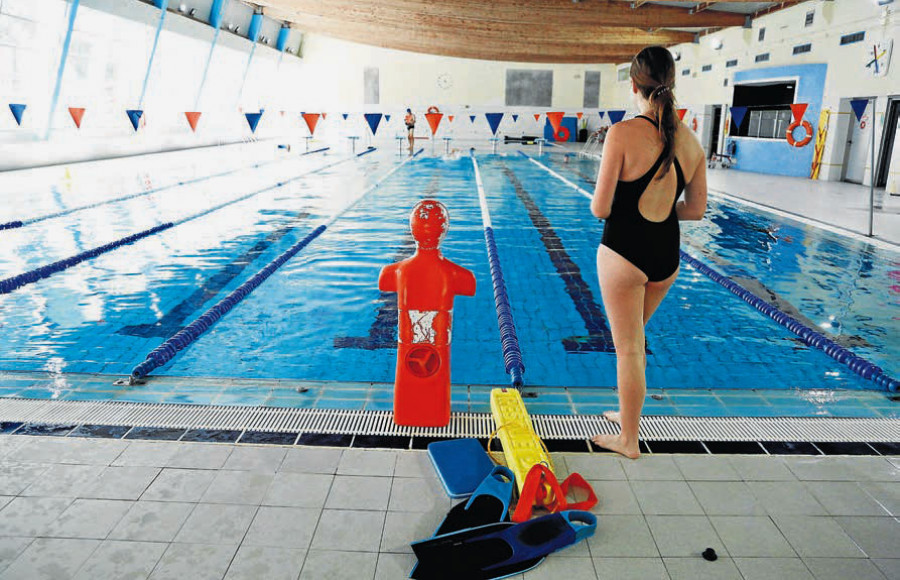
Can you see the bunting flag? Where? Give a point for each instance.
(579, 115)
(77, 113)
(681, 113)
(134, 115)
(859, 107)
(737, 115)
(387, 118)
(253, 120)
(324, 116)
(17, 109)
(493, 120)
(434, 121)
(373, 119)
(450, 118)
(601, 114)
(345, 115)
(615, 116)
(537, 116)
(555, 119)
(797, 111)
(472, 118)
(311, 120)
(192, 118)
(515, 118)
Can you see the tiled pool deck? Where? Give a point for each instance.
(472, 398)
(113, 508)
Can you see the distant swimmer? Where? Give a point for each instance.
(410, 121)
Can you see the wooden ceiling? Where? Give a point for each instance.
(551, 31)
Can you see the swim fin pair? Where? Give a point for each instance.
(501, 549)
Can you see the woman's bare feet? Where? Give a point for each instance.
(614, 443)
(612, 416)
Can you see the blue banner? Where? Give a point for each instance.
(373, 119)
(493, 120)
(859, 107)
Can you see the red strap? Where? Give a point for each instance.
(542, 488)
(575, 481)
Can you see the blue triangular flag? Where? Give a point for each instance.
(493, 120)
(134, 115)
(253, 120)
(600, 113)
(373, 119)
(387, 118)
(858, 106)
(737, 114)
(17, 110)
(615, 116)
(472, 118)
(345, 115)
(515, 118)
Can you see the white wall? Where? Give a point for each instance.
(104, 73)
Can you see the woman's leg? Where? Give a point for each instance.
(622, 286)
(654, 292)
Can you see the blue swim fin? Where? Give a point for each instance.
(489, 503)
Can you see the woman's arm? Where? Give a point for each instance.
(610, 169)
(693, 206)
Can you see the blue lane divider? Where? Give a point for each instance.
(28, 222)
(10, 284)
(509, 341)
(181, 340)
(811, 337)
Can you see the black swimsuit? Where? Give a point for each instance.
(653, 247)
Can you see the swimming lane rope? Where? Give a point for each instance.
(181, 340)
(10, 284)
(809, 336)
(512, 354)
(22, 223)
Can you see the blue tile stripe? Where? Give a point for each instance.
(811, 337)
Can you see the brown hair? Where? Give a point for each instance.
(653, 72)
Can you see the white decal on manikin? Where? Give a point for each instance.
(422, 323)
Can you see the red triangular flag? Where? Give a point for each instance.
(537, 116)
(798, 110)
(555, 119)
(311, 120)
(450, 117)
(77, 113)
(192, 118)
(434, 121)
(681, 113)
(324, 116)
(579, 115)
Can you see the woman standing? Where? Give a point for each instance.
(647, 162)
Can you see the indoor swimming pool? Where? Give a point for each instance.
(319, 333)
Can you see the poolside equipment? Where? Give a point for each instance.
(543, 490)
(461, 464)
(488, 504)
(710, 555)
(501, 549)
(797, 111)
(522, 448)
(77, 114)
(512, 354)
(426, 285)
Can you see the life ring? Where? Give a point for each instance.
(790, 133)
(433, 109)
(562, 135)
(694, 124)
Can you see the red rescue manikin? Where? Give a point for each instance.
(425, 284)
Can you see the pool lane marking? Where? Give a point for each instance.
(10, 284)
(599, 338)
(22, 223)
(512, 354)
(383, 331)
(171, 322)
(185, 337)
(810, 336)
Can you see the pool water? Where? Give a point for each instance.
(321, 317)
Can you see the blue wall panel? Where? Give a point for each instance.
(775, 156)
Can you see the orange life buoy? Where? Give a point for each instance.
(790, 133)
(694, 124)
(562, 135)
(433, 109)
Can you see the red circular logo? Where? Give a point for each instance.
(423, 361)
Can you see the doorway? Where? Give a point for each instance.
(716, 130)
(887, 140)
(859, 139)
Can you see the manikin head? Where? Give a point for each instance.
(429, 222)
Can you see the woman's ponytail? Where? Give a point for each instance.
(653, 72)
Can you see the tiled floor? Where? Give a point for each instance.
(113, 508)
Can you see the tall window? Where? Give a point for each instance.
(768, 109)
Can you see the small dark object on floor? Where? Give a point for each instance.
(710, 555)
(529, 395)
(302, 389)
(656, 397)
